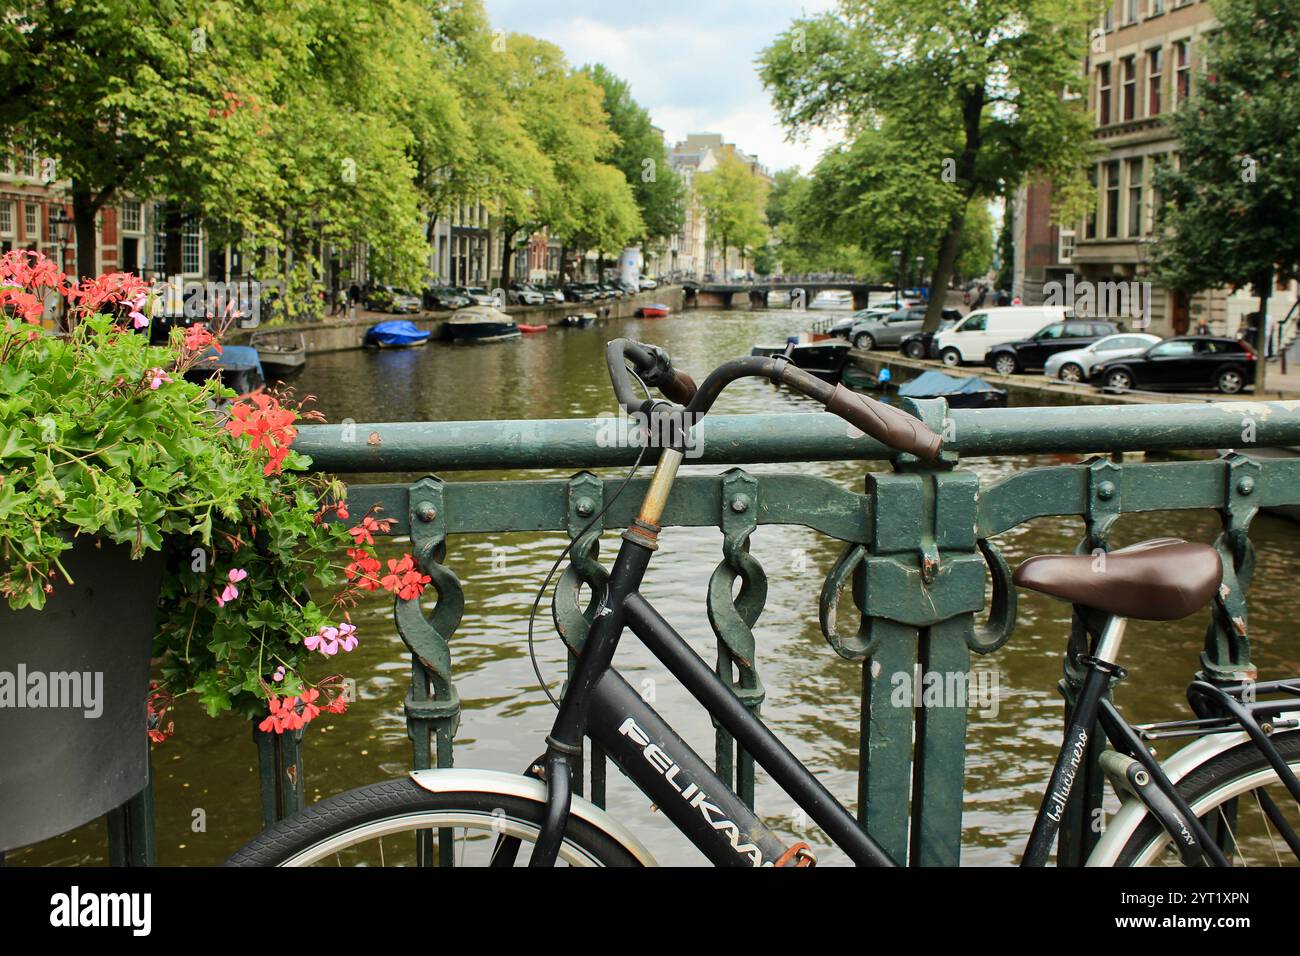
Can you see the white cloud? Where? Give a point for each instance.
(690, 64)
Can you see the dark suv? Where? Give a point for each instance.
(1188, 362)
(1030, 355)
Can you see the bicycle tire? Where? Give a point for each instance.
(401, 805)
(1210, 785)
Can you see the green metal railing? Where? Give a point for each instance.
(917, 546)
(917, 551)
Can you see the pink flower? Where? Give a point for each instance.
(326, 640)
(279, 674)
(347, 639)
(230, 592)
(157, 377)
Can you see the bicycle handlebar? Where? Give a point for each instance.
(888, 425)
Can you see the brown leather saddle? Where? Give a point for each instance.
(1158, 580)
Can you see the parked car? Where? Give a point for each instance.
(889, 330)
(387, 298)
(971, 338)
(920, 345)
(1031, 354)
(551, 294)
(610, 290)
(521, 293)
(1077, 364)
(438, 298)
(1188, 362)
(579, 292)
(478, 295)
(843, 327)
(645, 283)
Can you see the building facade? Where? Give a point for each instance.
(1143, 63)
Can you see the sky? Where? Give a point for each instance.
(691, 64)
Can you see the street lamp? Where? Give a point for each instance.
(896, 257)
(61, 232)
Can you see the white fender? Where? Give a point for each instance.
(452, 780)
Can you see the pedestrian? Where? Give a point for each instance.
(979, 299)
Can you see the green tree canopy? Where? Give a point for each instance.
(969, 94)
(733, 200)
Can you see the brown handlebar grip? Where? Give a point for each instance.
(886, 424)
(680, 388)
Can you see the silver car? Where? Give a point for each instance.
(1077, 364)
(888, 331)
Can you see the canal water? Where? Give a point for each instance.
(205, 776)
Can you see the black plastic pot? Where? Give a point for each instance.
(83, 749)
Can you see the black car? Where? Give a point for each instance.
(1192, 362)
(1030, 355)
(579, 292)
(920, 345)
(438, 298)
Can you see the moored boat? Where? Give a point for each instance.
(481, 324)
(237, 366)
(823, 357)
(531, 328)
(282, 352)
(396, 334)
(959, 392)
(580, 320)
(655, 310)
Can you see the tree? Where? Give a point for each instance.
(142, 98)
(1228, 215)
(733, 199)
(806, 237)
(642, 157)
(970, 95)
(560, 109)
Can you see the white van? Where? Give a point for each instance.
(969, 339)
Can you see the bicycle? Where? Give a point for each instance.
(1187, 810)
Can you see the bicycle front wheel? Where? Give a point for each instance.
(399, 823)
(1232, 794)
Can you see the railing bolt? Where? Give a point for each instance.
(426, 511)
(1246, 485)
(585, 507)
(740, 504)
(1106, 490)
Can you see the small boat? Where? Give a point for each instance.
(282, 352)
(959, 392)
(580, 320)
(237, 366)
(481, 324)
(531, 328)
(821, 356)
(396, 334)
(656, 310)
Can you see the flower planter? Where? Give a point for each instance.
(73, 682)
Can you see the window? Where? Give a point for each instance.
(1128, 69)
(1051, 332)
(27, 163)
(1065, 245)
(1176, 347)
(1112, 199)
(1135, 197)
(132, 220)
(1108, 20)
(1078, 330)
(32, 221)
(1182, 70)
(974, 323)
(1157, 8)
(191, 247)
(1130, 11)
(1155, 74)
(1103, 94)
(6, 218)
(1090, 223)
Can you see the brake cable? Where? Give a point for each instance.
(541, 592)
